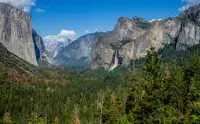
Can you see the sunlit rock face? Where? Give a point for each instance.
(172, 27)
(125, 31)
(189, 35)
(18, 36)
(16, 32)
(127, 28)
(132, 38)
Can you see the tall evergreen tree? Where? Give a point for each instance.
(113, 109)
(153, 64)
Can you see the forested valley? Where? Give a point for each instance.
(162, 88)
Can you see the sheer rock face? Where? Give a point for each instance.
(102, 54)
(132, 38)
(190, 28)
(172, 27)
(16, 32)
(154, 37)
(17, 35)
(41, 53)
(125, 30)
(189, 35)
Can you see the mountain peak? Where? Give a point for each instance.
(138, 19)
(192, 13)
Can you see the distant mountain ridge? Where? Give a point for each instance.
(78, 53)
(18, 36)
(54, 46)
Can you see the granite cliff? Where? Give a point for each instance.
(18, 36)
(132, 38)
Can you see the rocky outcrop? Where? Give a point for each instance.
(138, 47)
(132, 38)
(152, 38)
(189, 35)
(125, 31)
(78, 53)
(127, 28)
(172, 28)
(17, 35)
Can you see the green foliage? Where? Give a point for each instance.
(161, 91)
(112, 109)
(168, 97)
(56, 93)
(3, 74)
(192, 67)
(124, 120)
(143, 25)
(153, 64)
(34, 119)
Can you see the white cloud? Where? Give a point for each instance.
(40, 10)
(24, 5)
(155, 20)
(54, 42)
(95, 30)
(62, 36)
(188, 4)
(67, 33)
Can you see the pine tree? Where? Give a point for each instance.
(192, 67)
(113, 109)
(153, 64)
(146, 99)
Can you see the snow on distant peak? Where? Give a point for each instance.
(54, 42)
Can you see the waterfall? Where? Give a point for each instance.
(116, 58)
(115, 63)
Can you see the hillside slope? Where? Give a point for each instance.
(14, 63)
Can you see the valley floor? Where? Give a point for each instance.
(160, 91)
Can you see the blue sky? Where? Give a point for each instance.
(49, 17)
